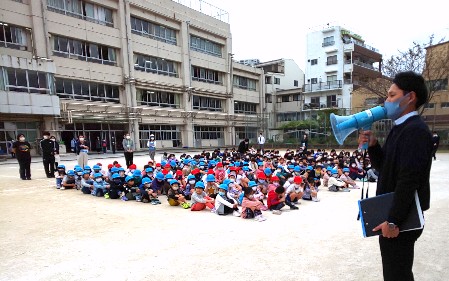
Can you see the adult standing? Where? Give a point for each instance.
(56, 150)
(98, 144)
(10, 145)
(436, 143)
(243, 146)
(22, 150)
(73, 143)
(305, 142)
(113, 144)
(261, 142)
(104, 145)
(128, 146)
(48, 155)
(152, 147)
(402, 172)
(82, 150)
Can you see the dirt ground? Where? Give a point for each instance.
(50, 234)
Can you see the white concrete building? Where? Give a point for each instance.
(104, 68)
(337, 59)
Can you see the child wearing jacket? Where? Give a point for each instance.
(200, 200)
(251, 207)
(225, 205)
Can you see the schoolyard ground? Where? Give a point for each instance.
(50, 234)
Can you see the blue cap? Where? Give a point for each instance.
(252, 184)
(260, 163)
(121, 169)
(78, 169)
(146, 180)
(210, 178)
(173, 163)
(172, 182)
(129, 178)
(345, 169)
(245, 168)
(160, 176)
(98, 175)
(186, 161)
(87, 167)
(96, 167)
(237, 164)
(115, 176)
(199, 184)
(267, 171)
(334, 171)
(114, 170)
(60, 166)
(309, 168)
(163, 163)
(149, 170)
(297, 169)
(70, 173)
(168, 176)
(227, 181)
(137, 173)
(190, 177)
(291, 166)
(223, 186)
(86, 172)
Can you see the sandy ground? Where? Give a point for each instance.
(48, 234)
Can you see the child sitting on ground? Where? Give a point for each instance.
(174, 195)
(69, 180)
(347, 179)
(115, 186)
(310, 192)
(200, 200)
(147, 192)
(251, 207)
(294, 191)
(60, 175)
(225, 205)
(100, 186)
(276, 199)
(87, 184)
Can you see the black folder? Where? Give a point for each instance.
(375, 210)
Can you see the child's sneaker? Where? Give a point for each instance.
(263, 208)
(62, 188)
(124, 198)
(277, 212)
(260, 218)
(315, 199)
(145, 200)
(213, 210)
(236, 214)
(153, 202)
(138, 198)
(293, 207)
(106, 196)
(185, 205)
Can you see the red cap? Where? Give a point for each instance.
(210, 171)
(117, 165)
(164, 172)
(179, 173)
(158, 164)
(274, 178)
(261, 176)
(233, 168)
(133, 166)
(195, 171)
(167, 166)
(110, 166)
(99, 164)
(220, 165)
(297, 180)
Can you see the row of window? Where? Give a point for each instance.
(207, 75)
(329, 61)
(82, 10)
(160, 132)
(77, 89)
(28, 81)
(205, 103)
(67, 47)
(244, 83)
(157, 98)
(208, 133)
(288, 116)
(155, 65)
(246, 132)
(245, 107)
(13, 37)
(205, 46)
(153, 30)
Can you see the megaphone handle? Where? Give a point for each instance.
(365, 145)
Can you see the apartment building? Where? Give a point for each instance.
(104, 68)
(338, 60)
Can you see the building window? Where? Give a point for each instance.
(295, 83)
(277, 81)
(315, 102)
(288, 116)
(245, 107)
(314, 80)
(445, 105)
(157, 98)
(332, 101)
(268, 98)
(13, 37)
(244, 83)
(82, 10)
(208, 133)
(153, 30)
(332, 60)
(437, 85)
(328, 41)
(296, 97)
(26, 81)
(429, 105)
(206, 75)
(84, 90)
(155, 65)
(285, 98)
(71, 48)
(160, 132)
(314, 62)
(205, 103)
(205, 46)
(246, 132)
(268, 80)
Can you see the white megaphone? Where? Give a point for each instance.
(343, 126)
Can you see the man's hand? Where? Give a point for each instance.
(386, 232)
(367, 137)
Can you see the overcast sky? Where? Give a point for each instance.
(270, 30)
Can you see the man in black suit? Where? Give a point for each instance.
(436, 143)
(403, 163)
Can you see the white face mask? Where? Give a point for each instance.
(53, 139)
(81, 139)
(128, 137)
(192, 182)
(45, 137)
(99, 180)
(175, 187)
(22, 139)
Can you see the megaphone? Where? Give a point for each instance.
(343, 126)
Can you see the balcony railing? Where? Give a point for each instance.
(329, 43)
(322, 86)
(364, 64)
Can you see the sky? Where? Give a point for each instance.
(269, 30)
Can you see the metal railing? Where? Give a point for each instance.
(206, 8)
(337, 84)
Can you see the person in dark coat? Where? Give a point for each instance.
(436, 143)
(48, 155)
(243, 146)
(22, 150)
